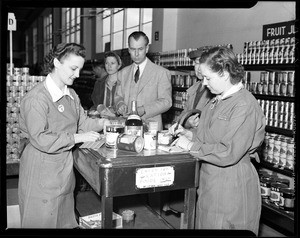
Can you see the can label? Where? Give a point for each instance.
(130, 142)
(150, 141)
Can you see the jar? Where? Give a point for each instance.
(112, 133)
(287, 199)
(275, 192)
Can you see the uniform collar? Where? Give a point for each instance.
(235, 88)
(54, 90)
(232, 90)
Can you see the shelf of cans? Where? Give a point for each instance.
(180, 57)
(279, 151)
(277, 191)
(17, 85)
(278, 114)
(183, 80)
(274, 51)
(179, 99)
(279, 83)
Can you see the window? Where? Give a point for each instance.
(47, 34)
(27, 49)
(115, 25)
(71, 25)
(34, 44)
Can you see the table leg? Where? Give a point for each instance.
(107, 211)
(188, 221)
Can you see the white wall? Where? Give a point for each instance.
(200, 27)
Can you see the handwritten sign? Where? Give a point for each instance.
(155, 177)
(279, 30)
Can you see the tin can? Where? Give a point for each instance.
(130, 142)
(287, 199)
(290, 90)
(265, 187)
(254, 87)
(290, 148)
(150, 140)
(259, 88)
(265, 88)
(283, 89)
(282, 180)
(164, 137)
(290, 162)
(275, 160)
(271, 89)
(277, 89)
(275, 192)
(273, 77)
(284, 77)
(112, 133)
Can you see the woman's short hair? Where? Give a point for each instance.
(60, 52)
(221, 59)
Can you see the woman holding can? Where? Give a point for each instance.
(230, 129)
(53, 121)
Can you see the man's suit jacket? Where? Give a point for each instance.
(154, 90)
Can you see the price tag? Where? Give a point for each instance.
(154, 177)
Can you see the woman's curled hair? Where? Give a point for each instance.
(60, 52)
(221, 59)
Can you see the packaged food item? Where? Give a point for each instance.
(130, 142)
(112, 133)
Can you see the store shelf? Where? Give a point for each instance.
(284, 171)
(181, 89)
(274, 98)
(176, 108)
(269, 67)
(180, 68)
(12, 169)
(278, 219)
(280, 131)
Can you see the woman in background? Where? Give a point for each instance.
(230, 129)
(53, 121)
(104, 89)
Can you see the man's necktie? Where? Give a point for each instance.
(137, 75)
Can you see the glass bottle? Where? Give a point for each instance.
(134, 123)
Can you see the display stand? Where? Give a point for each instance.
(114, 173)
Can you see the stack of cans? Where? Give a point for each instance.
(18, 84)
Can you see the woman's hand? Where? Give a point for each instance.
(193, 121)
(122, 110)
(87, 136)
(183, 143)
(178, 130)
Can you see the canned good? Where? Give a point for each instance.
(150, 140)
(112, 133)
(282, 180)
(164, 137)
(265, 188)
(287, 199)
(290, 162)
(290, 148)
(276, 156)
(130, 142)
(290, 90)
(259, 88)
(265, 88)
(254, 87)
(271, 89)
(275, 192)
(283, 89)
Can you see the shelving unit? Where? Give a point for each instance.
(271, 215)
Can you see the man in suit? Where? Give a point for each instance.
(147, 83)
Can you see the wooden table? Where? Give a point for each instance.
(113, 173)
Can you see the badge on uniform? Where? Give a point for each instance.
(61, 108)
